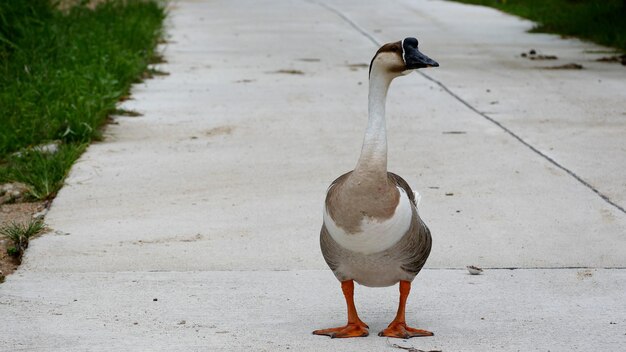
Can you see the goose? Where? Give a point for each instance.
(371, 231)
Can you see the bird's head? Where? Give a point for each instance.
(400, 58)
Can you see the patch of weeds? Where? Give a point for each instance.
(157, 59)
(61, 75)
(19, 235)
(42, 172)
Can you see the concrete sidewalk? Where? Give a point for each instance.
(211, 202)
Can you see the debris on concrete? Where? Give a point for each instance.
(532, 55)
(584, 274)
(356, 67)
(288, 72)
(615, 58)
(474, 270)
(309, 59)
(410, 348)
(570, 66)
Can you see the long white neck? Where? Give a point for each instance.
(373, 159)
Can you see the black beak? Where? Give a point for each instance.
(413, 58)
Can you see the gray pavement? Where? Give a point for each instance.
(211, 201)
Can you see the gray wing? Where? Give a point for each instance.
(333, 254)
(330, 249)
(416, 246)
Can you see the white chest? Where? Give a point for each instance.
(375, 236)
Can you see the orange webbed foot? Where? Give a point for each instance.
(350, 330)
(400, 330)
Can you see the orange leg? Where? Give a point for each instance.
(398, 327)
(355, 327)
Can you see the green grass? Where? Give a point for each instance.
(601, 21)
(42, 172)
(19, 235)
(61, 74)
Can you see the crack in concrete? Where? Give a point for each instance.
(536, 268)
(485, 116)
